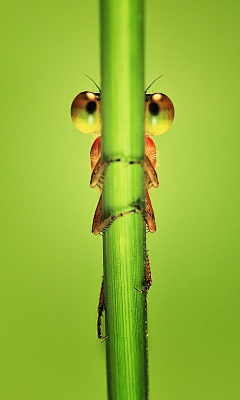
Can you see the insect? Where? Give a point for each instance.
(86, 116)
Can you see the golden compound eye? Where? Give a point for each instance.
(159, 114)
(85, 112)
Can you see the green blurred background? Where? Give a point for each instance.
(51, 264)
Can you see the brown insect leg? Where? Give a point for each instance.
(98, 171)
(151, 178)
(100, 313)
(149, 214)
(151, 172)
(148, 281)
(98, 225)
(97, 217)
(148, 273)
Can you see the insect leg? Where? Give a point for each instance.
(98, 172)
(148, 273)
(99, 168)
(148, 280)
(99, 225)
(149, 214)
(151, 174)
(97, 217)
(100, 313)
(108, 221)
(96, 176)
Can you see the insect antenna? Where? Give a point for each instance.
(93, 82)
(151, 83)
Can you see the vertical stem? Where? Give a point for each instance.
(124, 250)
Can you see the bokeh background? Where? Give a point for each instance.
(51, 264)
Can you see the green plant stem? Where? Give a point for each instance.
(124, 249)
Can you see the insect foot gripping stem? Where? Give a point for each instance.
(100, 225)
(151, 174)
(99, 171)
(101, 307)
(148, 281)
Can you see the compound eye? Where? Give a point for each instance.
(159, 114)
(85, 112)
